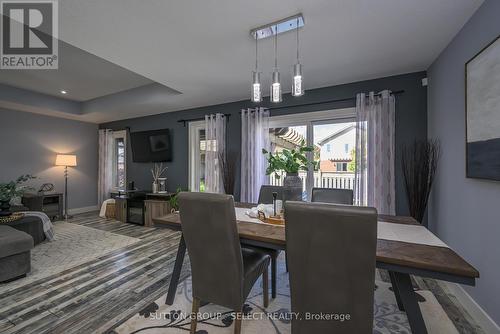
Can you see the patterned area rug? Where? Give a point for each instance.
(161, 318)
(73, 245)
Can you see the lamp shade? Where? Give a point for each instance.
(66, 160)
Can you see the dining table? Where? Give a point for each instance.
(404, 248)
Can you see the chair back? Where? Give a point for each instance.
(266, 194)
(334, 196)
(331, 252)
(211, 235)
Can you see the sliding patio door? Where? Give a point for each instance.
(332, 133)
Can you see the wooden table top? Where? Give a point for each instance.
(424, 257)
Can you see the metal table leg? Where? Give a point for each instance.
(402, 284)
(396, 292)
(274, 268)
(174, 280)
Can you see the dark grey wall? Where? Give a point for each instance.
(411, 123)
(464, 212)
(29, 144)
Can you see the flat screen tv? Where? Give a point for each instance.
(151, 146)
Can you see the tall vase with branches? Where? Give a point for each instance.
(419, 161)
(227, 164)
(157, 171)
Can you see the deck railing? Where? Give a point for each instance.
(339, 180)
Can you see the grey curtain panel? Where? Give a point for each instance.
(374, 183)
(254, 138)
(215, 134)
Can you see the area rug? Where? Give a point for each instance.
(161, 318)
(73, 245)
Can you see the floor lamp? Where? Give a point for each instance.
(66, 160)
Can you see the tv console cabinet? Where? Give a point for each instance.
(141, 208)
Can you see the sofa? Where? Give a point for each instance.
(31, 225)
(15, 253)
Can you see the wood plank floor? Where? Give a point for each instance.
(96, 296)
(99, 295)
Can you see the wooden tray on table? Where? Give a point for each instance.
(274, 220)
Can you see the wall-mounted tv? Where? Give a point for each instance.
(151, 146)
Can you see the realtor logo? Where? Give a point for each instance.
(29, 34)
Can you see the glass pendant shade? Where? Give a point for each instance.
(256, 88)
(298, 78)
(276, 87)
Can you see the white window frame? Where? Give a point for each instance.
(310, 119)
(118, 135)
(194, 154)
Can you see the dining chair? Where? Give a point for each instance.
(266, 194)
(331, 253)
(222, 272)
(332, 195)
(266, 197)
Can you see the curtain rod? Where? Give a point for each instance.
(184, 121)
(398, 92)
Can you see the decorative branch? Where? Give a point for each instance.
(157, 171)
(419, 162)
(227, 164)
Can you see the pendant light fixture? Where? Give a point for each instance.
(272, 30)
(256, 88)
(275, 85)
(297, 84)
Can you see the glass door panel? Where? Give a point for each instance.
(334, 144)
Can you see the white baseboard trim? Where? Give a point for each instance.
(482, 318)
(85, 209)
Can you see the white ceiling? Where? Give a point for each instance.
(81, 74)
(203, 49)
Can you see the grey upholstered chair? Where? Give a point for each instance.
(331, 258)
(266, 197)
(334, 196)
(266, 194)
(222, 272)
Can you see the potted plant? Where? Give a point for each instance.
(12, 189)
(174, 204)
(290, 162)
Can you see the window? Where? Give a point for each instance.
(119, 159)
(330, 132)
(341, 166)
(197, 149)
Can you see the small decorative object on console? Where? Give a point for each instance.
(46, 187)
(162, 185)
(157, 172)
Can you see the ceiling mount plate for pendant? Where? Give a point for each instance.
(281, 26)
